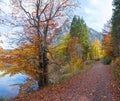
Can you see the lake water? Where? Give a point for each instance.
(10, 85)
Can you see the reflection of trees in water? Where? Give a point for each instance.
(28, 87)
(25, 87)
(20, 65)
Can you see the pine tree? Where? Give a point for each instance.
(83, 36)
(73, 31)
(116, 27)
(79, 29)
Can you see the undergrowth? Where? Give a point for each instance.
(58, 74)
(116, 70)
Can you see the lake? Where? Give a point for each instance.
(10, 86)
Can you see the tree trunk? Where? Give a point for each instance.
(43, 78)
(43, 66)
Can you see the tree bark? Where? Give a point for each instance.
(43, 65)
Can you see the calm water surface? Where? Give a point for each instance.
(10, 85)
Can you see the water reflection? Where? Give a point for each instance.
(10, 86)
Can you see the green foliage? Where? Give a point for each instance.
(116, 70)
(73, 29)
(62, 48)
(79, 29)
(73, 47)
(84, 35)
(116, 27)
(107, 60)
(116, 39)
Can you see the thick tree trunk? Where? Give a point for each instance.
(43, 65)
(43, 79)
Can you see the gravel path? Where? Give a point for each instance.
(95, 85)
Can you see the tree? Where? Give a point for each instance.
(67, 48)
(79, 29)
(107, 27)
(84, 37)
(41, 20)
(22, 59)
(1, 50)
(107, 44)
(73, 28)
(1, 55)
(97, 51)
(116, 27)
(62, 48)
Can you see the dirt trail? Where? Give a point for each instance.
(95, 85)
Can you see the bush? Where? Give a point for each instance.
(117, 62)
(78, 65)
(116, 70)
(107, 60)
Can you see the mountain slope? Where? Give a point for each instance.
(66, 28)
(95, 35)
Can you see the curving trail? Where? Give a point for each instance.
(96, 84)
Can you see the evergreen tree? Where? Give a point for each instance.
(73, 30)
(79, 29)
(83, 36)
(116, 27)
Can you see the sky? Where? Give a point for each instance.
(95, 12)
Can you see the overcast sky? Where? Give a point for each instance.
(96, 12)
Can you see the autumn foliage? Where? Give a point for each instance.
(107, 44)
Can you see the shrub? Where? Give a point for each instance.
(117, 62)
(78, 65)
(107, 60)
(116, 70)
